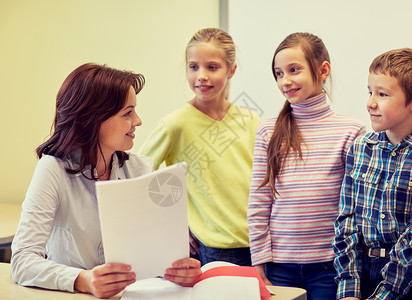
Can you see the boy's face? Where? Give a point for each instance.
(387, 107)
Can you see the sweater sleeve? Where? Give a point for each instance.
(158, 145)
(260, 206)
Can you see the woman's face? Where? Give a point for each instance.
(117, 132)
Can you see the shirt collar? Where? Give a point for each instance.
(116, 172)
(73, 162)
(380, 137)
(408, 139)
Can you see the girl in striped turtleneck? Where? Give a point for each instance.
(298, 166)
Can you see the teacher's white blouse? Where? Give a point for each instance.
(59, 231)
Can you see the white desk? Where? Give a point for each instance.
(12, 291)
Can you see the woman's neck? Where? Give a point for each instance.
(104, 167)
(214, 109)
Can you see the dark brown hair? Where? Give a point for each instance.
(286, 135)
(90, 95)
(396, 63)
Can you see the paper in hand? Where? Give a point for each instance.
(144, 220)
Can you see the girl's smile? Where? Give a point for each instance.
(204, 88)
(291, 92)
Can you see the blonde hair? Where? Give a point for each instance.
(220, 38)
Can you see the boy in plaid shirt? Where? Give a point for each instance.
(373, 240)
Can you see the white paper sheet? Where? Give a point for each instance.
(156, 289)
(144, 220)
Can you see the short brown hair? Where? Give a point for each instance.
(396, 63)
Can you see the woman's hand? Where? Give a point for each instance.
(261, 271)
(184, 272)
(106, 280)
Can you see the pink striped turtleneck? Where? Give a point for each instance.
(297, 226)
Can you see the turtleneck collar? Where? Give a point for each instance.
(312, 108)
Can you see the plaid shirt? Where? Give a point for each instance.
(375, 211)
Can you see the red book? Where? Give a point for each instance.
(237, 271)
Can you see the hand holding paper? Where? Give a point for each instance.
(184, 272)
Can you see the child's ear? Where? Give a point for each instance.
(324, 70)
(232, 70)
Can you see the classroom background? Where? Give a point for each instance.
(41, 42)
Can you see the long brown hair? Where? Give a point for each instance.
(90, 95)
(286, 135)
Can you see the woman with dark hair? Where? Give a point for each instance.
(58, 243)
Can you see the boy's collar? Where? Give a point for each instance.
(380, 137)
(408, 139)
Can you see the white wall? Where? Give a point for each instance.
(354, 31)
(41, 42)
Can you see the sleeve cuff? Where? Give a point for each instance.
(348, 288)
(65, 281)
(382, 293)
(260, 260)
